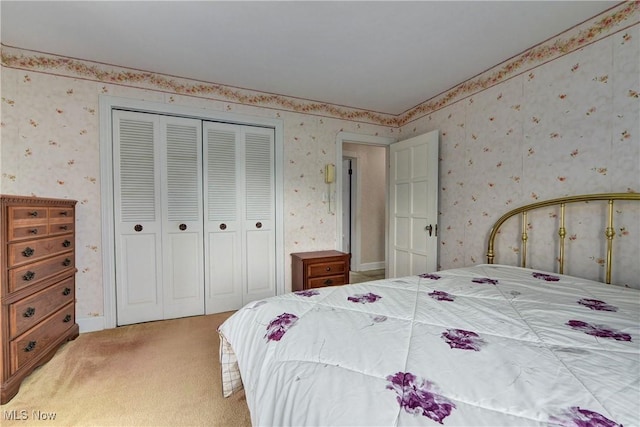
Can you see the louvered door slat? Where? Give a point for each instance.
(183, 179)
(221, 170)
(137, 171)
(259, 175)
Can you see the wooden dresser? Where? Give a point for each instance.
(38, 284)
(318, 269)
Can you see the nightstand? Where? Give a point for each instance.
(318, 269)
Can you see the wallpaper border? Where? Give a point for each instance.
(616, 19)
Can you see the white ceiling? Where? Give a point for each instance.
(385, 56)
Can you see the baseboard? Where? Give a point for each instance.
(91, 324)
(371, 266)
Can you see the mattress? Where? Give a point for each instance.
(484, 345)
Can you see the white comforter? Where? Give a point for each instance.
(486, 345)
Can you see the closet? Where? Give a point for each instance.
(194, 215)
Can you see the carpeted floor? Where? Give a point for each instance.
(162, 373)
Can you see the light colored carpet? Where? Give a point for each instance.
(162, 373)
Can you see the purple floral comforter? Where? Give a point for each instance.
(486, 345)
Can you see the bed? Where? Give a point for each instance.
(489, 344)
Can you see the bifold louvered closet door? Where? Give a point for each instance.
(239, 219)
(183, 243)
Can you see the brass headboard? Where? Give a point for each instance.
(562, 201)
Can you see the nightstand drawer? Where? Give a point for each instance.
(326, 269)
(320, 282)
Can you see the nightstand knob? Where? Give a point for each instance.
(328, 282)
(30, 346)
(30, 311)
(328, 268)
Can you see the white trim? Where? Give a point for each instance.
(107, 104)
(356, 138)
(91, 324)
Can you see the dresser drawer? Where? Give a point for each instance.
(31, 274)
(319, 282)
(326, 268)
(61, 215)
(61, 220)
(27, 214)
(26, 313)
(29, 251)
(26, 223)
(28, 231)
(32, 344)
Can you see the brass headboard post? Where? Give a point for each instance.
(562, 232)
(609, 232)
(562, 201)
(525, 237)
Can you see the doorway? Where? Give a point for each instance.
(422, 161)
(359, 193)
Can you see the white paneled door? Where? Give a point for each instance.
(413, 206)
(194, 209)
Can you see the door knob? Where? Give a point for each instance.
(429, 228)
(182, 227)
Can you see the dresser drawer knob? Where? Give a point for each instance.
(64, 213)
(328, 282)
(328, 269)
(28, 252)
(33, 213)
(28, 276)
(66, 243)
(30, 346)
(29, 312)
(34, 231)
(66, 291)
(66, 262)
(64, 227)
(67, 318)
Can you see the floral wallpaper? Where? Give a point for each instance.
(562, 118)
